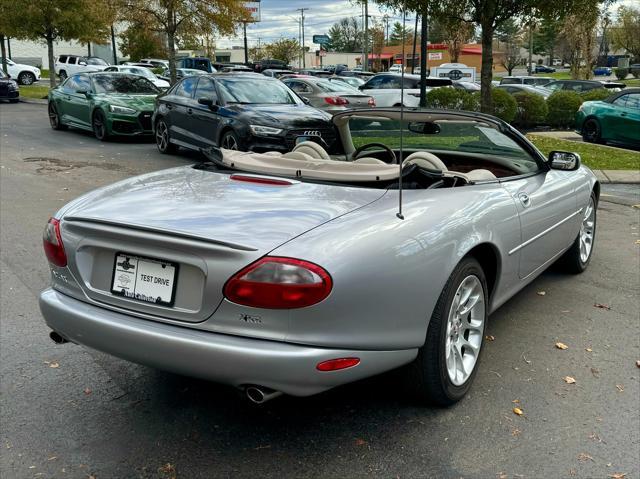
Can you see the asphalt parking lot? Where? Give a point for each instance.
(68, 412)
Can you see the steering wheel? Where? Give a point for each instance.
(356, 154)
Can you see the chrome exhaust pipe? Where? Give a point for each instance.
(259, 394)
(57, 338)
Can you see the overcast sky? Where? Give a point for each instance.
(280, 19)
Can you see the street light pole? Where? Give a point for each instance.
(246, 50)
(365, 66)
(304, 60)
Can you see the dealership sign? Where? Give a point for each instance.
(321, 39)
(435, 56)
(254, 10)
(455, 72)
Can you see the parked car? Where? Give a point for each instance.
(196, 63)
(277, 73)
(270, 64)
(385, 88)
(236, 69)
(248, 112)
(598, 71)
(9, 89)
(315, 72)
(295, 273)
(358, 74)
(329, 96)
(67, 65)
(355, 82)
(107, 103)
(525, 80)
(23, 74)
(583, 85)
(148, 66)
(181, 73)
(156, 62)
(466, 85)
(616, 119)
(395, 68)
(145, 72)
(537, 90)
(544, 69)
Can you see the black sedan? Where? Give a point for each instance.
(9, 89)
(247, 112)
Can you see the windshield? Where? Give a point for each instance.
(330, 87)
(145, 72)
(250, 91)
(131, 84)
(96, 61)
(190, 71)
(460, 136)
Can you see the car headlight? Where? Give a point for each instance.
(13, 85)
(121, 109)
(261, 130)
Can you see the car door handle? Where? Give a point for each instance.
(189, 111)
(524, 199)
(623, 114)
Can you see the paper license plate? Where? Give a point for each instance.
(144, 279)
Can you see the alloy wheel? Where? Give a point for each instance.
(27, 78)
(465, 327)
(162, 136)
(591, 131)
(229, 142)
(586, 231)
(99, 127)
(53, 116)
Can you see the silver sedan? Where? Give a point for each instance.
(298, 272)
(329, 95)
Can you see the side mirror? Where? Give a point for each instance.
(564, 160)
(208, 102)
(305, 100)
(82, 92)
(84, 64)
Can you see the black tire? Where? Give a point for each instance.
(427, 377)
(14, 100)
(591, 131)
(99, 125)
(26, 78)
(163, 140)
(54, 118)
(62, 75)
(573, 261)
(230, 141)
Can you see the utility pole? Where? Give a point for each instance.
(246, 49)
(365, 66)
(304, 60)
(415, 38)
(530, 68)
(113, 46)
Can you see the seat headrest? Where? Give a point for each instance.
(426, 160)
(312, 149)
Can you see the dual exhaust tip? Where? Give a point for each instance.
(255, 394)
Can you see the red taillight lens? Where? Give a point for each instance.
(337, 364)
(262, 180)
(279, 283)
(336, 100)
(372, 102)
(52, 242)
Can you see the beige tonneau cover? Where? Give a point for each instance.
(317, 169)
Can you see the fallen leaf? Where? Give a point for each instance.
(583, 456)
(502, 475)
(518, 411)
(569, 380)
(572, 472)
(638, 363)
(488, 337)
(620, 387)
(589, 350)
(169, 470)
(360, 442)
(541, 293)
(602, 306)
(515, 432)
(52, 458)
(618, 475)
(566, 310)
(637, 241)
(560, 345)
(516, 401)
(87, 391)
(595, 371)
(54, 365)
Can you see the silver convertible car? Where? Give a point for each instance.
(298, 272)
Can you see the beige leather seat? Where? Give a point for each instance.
(312, 149)
(430, 161)
(368, 160)
(480, 175)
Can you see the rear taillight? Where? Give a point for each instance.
(52, 242)
(372, 102)
(279, 283)
(336, 100)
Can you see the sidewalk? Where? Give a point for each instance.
(618, 176)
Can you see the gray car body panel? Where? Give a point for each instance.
(387, 272)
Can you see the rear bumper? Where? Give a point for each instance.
(232, 360)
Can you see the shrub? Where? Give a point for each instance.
(621, 73)
(532, 109)
(452, 99)
(562, 106)
(505, 106)
(635, 71)
(598, 94)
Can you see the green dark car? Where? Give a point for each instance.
(106, 103)
(616, 119)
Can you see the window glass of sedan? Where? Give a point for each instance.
(187, 87)
(83, 83)
(298, 86)
(633, 101)
(130, 84)
(95, 61)
(206, 89)
(329, 87)
(71, 84)
(248, 91)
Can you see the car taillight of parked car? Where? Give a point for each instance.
(275, 282)
(52, 243)
(336, 100)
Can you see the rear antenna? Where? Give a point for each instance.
(401, 159)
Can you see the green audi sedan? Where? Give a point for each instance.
(616, 119)
(108, 104)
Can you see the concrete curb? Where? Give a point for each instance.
(618, 176)
(33, 101)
